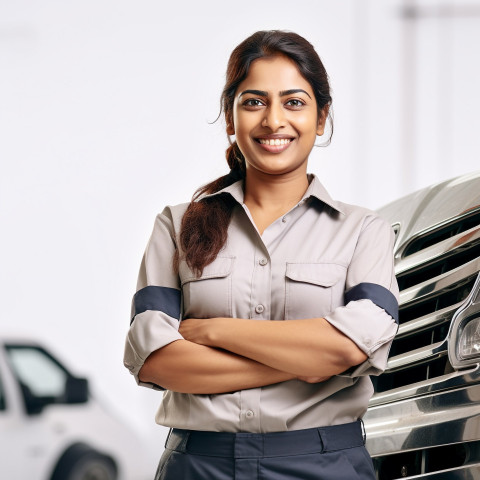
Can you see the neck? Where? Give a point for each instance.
(275, 192)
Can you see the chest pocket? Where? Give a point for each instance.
(313, 289)
(210, 295)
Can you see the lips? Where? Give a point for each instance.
(274, 144)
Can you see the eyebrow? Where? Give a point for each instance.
(294, 90)
(262, 93)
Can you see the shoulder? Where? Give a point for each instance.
(360, 222)
(341, 213)
(171, 216)
(362, 215)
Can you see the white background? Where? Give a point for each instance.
(105, 117)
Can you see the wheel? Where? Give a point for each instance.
(92, 467)
(80, 462)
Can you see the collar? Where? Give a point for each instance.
(235, 190)
(315, 189)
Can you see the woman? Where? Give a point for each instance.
(248, 394)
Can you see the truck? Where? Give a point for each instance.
(423, 421)
(51, 425)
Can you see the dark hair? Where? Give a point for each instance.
(203, 231)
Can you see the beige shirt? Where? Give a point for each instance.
(321, 259)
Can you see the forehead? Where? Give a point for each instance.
(274, 74)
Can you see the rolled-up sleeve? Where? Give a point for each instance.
(370, 314)
(156, 306)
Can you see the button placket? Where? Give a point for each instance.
(261, 285)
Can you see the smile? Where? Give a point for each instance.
(274, 145)
(275, 141)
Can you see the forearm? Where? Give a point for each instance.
(309, 347)
(186, 367)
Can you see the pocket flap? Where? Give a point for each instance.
(323, 274)
(219, 268)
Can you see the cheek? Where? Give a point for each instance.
(309, 127)
(243, 125)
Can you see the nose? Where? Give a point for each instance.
(274, 117)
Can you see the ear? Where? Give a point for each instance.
(322, 119)
(230, 129)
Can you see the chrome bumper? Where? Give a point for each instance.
(440, 418)
(470, 472)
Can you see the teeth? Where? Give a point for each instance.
(276, 141)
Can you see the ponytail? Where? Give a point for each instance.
(204, 226)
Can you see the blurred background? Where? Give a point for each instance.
(106, 111)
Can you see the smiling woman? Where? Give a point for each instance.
(263, 305)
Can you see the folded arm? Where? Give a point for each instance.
(308, 347)
(186, 367)
(358, 333)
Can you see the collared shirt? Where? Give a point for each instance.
(321, 259)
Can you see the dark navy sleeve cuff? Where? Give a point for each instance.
(380, 296)
(163, 299)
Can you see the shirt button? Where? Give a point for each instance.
(249, 414)
(259, 308)
(263, 262)
(284, 219)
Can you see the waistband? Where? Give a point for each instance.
(254, 445)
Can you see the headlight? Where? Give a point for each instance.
(464, 333)
(468, 345)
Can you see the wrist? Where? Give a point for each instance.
(213, 333)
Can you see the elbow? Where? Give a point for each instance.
(153, 373)
(146, 375)
(352, 354)
(356, 357)
(351, 357)
(159, 367)
(340, 350)
(175, 383)
(163, 369)
(151, 376)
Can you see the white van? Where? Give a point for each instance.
(52, 429)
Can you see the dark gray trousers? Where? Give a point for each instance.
(326, 453)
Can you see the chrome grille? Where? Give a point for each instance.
(436, 271)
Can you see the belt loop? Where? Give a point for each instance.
(182, 447)
(177, 440)
(168, 438)
(364, 433)
(322, 442)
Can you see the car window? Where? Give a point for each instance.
(37, 371)
(2, 397)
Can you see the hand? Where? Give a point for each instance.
(199, 330)
(314, 379)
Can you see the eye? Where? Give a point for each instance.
(253, 103)
(295, 103)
